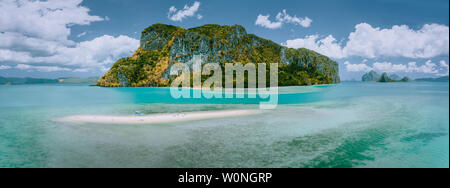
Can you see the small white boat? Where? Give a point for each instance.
(139, 113)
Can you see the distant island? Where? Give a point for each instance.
(373, 76)
(386, 78)
(24, 81)
(440, 79)
(76, 80)
(161, 46)
(20, 81)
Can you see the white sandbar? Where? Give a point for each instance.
(156, 118)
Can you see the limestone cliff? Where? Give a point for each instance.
(371, 76)
(164, 45)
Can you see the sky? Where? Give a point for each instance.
(82, 38)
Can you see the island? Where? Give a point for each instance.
(162, 46)
(385, 78)
(27, 81)
(440, 79)
(373, 76)
(23, 81)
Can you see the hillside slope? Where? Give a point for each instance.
(163, 45)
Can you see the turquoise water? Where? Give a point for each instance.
(345, 125)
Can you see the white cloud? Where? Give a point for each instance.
(427, 68)
(281, 18)
(41, 68)
(81, 70)
(389, 67)
(286, 18)
(4, 67)
(327, 46)
(97, 53)
(94, 54)
(81, 34)
(264, 21)
(9, 55)
(38, 31)
(430, 41)
(48, 20)
(444, 66)
(188, 11)
(19, 42)
(400, 41)
(357, 67)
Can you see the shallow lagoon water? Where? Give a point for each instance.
(345, 125)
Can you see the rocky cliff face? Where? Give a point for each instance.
(164, 45)
(371, 76)
(385, 78)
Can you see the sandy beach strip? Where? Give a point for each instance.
(156, 118)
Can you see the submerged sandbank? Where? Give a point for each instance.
(157, 118)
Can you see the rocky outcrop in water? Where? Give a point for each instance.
(371, 76)
(385, 78)
(164, 45)
(395, 77)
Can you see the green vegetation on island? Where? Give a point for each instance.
(164, 45)
(25, 81)
(21, 81)
(440, 79)
(373, 76)
(385, 78)
(395, 77)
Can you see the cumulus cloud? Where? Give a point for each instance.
(9, 55)
(4, 67)
(281, 18)
(94, 54)
(48, 20)
(444, 67)
(327, 46)
(286, 18)
(97, 53)
(19, 42)
(81, 34)
(389, 67)
(399, 41)
(188, 11)
(357, 67)
(41, 68)
(264, 21)
(430, 41)
(36, 32)
(427, 68)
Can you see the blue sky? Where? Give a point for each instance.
(85, 37)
